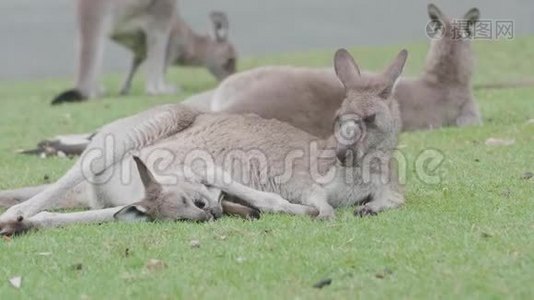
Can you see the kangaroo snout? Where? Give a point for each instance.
(203, 216)
(216, 212)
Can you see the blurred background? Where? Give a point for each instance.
(37, 36)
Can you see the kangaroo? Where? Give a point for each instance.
(79, 198)
(158, 203)
(155, 33)
(441, 96)
(284, 169)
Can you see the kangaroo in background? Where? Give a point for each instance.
(442, 95)
(351, 167)
(155, 33)
(307, 98)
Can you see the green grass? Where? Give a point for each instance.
(471, 236)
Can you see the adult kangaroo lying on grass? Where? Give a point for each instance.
(153, 32)
(283, 169)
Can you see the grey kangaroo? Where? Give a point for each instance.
(283, 169)
(156, 34)
(308, 98)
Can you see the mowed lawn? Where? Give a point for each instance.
(469, 236)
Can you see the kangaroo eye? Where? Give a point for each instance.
(230, 64)
(370, 119)
(200, 203)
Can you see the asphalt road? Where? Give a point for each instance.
(37, 36)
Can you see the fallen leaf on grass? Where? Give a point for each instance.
(485, 235)
(16, 281)
(155, 265)
(506, 193)
(134, 276)
(67, 116)
(194, 244)
(381, 275)
(322, 283)
(84, 297)
(499, 142)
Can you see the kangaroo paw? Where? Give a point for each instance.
(364, 211)
(69, 96)
(243, 211)
(312, 212)
(253, 214)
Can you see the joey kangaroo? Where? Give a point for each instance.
(155, 33)
(283, 169)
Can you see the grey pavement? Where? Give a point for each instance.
(37, 36)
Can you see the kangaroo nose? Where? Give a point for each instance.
(202, 216)
(344, 154)
(216, 211)
(341, 153)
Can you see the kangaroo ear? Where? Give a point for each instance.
(472, 16)
(220, 25)
(395, 69)
(132, 213)
(393, 73)
(149, 182)
(434, 13)
(346, 68)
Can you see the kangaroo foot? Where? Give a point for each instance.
(72, 95)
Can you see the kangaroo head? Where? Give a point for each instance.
(186, 201)
(221, 56)
(450, 29)
(368, 119)
(450, 57)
